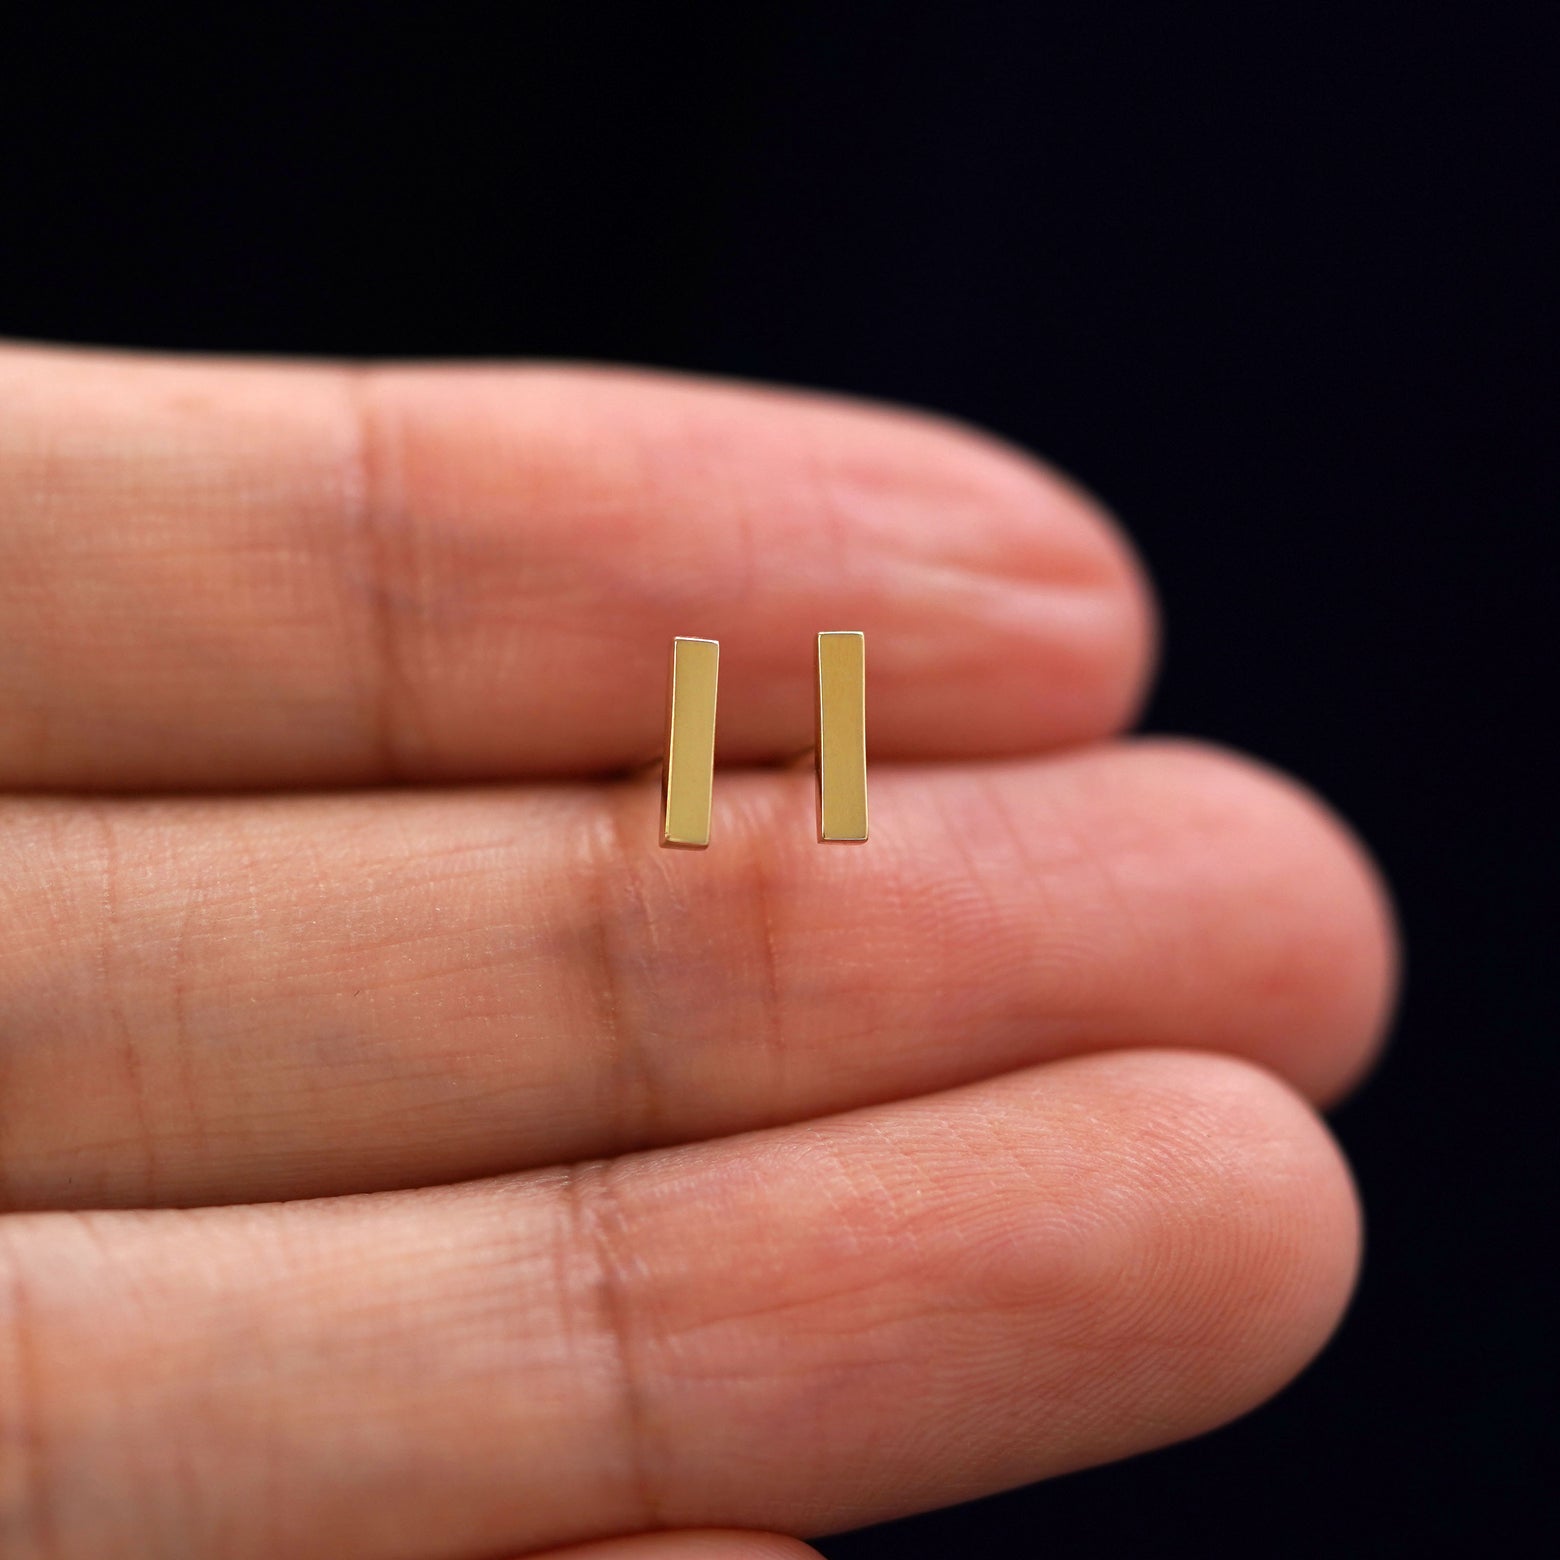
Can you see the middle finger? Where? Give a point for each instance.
(227, 1000)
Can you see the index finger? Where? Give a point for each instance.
(229, 574)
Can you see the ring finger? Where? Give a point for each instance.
(223, 1000)
(796, 1330)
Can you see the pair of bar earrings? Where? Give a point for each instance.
(688, 778)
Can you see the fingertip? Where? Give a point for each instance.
(1250, 1232)
(1338, 971)
(1087, 544)
(1066, 621)
(1201, 1255)
(1060, 1268)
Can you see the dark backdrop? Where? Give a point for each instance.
(1280, 282)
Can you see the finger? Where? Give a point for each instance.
(690, 1546)
(230, 1001)
(795, 1331)
(219, 574)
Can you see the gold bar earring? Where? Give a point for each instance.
(842, 737)
(688, 778)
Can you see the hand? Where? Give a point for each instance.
(406, 1158)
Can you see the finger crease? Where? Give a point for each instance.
(367, 489)
(597, 1227)
(111, 987)
(773, 1028)
(613, 882)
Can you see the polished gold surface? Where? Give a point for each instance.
(842, 737)
(689, 776)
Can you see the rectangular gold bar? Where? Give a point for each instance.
(842, 737)
(689, 775)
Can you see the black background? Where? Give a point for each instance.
(1280, 282)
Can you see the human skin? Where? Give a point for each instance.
(402, 1158)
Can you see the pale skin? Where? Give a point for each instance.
(403, 1158)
